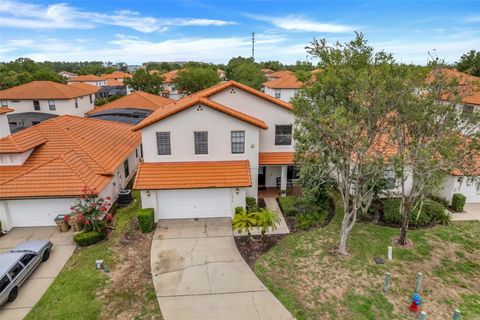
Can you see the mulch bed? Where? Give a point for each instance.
(252, 250)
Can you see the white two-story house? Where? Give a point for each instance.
(206, 152)
(283, 85)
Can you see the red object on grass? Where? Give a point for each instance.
(414, 307)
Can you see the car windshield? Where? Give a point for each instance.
(4, 282)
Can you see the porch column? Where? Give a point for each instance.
(283, 182)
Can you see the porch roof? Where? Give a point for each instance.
(276, 158)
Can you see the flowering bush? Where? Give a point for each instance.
(89, 209)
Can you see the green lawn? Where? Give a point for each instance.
(82, 292)
(314, 284)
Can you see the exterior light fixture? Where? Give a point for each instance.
(148, 193)
(237, 190)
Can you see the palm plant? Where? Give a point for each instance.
(244, 221)
(267, 219)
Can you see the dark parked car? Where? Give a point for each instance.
(18, 264)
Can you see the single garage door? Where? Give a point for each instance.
(194, 203)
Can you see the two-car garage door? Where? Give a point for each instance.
(194, 203)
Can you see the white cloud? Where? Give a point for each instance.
(301, 23)
(62, 16)
(135, 50)
(472, 19)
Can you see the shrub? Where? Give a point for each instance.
(266, 220)
(86, 238)
(307, 221)
(287, 204)
(251, 204)
(239, 210)
(458, 202)
(391, 211)
(146, 219)
(244, 221)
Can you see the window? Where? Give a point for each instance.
(26, 259)
(390, 180)
(136, 153)
(76, 103)
(478, 187)
(4, 103)
(163, 143)
(201, 142)
(125, 167)
(51, 105)
(91, 99)
(4, 282)
(283, 135)
(15, 271)
(36, 105)
(467, 108)
(278, 93)
(238, 141)
(141, 151)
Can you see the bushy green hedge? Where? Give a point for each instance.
(146, 219)
(309, 220)
(252, 205)
(431, 212)
(458, 202)
(287, 204)
(86, 238)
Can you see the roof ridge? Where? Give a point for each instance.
(29, 170)
(71, 166)
(147, 96)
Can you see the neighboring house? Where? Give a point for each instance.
(169, 90)
(129, 109)
(466, 183)
(205, 153)
(113, 87)
(469, 89)
(89, 79)
(36, 101)
(117, 75)
(44, 168)
(268, 73)
(284, 85)
(4, 127)
(67, 75)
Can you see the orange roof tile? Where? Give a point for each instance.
(469, 86)
(21, 143)
(116, 75)
(135, 100)
(114, 83)
(5, 110)
(273, 158)
(193, 175)
(283, 80)
(202, 97)
(85, 78)
(169, 76)
(42, 90)
(74, 152)
(85, 86)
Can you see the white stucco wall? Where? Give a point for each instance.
(464, 185)
(61, 106)
(14, 159)
(285, 94)
(4, 126)
(262, 109)
(219, 126)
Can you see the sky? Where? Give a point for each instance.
(214, 31)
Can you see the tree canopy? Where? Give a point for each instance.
(470, 63)
(246, 71)
(142, 80)
(192, 79)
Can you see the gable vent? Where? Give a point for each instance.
(232, 91)
(200, 108)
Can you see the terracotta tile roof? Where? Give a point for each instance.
(5, 110)
(272, 158)
(85, 78)
(21, 143)
(267, 71)
(116, 75)
(42, 90)
(85, 86)
(202, 97)
(286, 80)
(74, 152)
(114, 83)
(281, 73)
(193, 175)
(169, 76)
(469, 86)
(135, 100)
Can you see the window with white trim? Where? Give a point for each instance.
(390, 179)
(238, 141)
(4, 103)
(201, 142)
(283, 135)
(163, 144)
(36, 105)
(51, 105)
(278, 93)
(76, 103)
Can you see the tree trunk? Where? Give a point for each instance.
(406, 218)
(342, 246)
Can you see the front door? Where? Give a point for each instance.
(261, 176)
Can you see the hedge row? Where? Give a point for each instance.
(431, 212)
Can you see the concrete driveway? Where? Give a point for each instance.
(199, 274)
(471, 211)
(39, 281)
